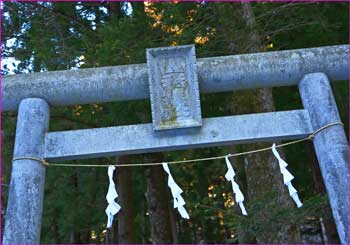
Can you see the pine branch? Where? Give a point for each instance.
(58, 13)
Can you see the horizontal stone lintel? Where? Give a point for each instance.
(215, 74)
(141, 138)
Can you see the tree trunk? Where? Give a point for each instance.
(157, 199)
(114, 10)
(262, 170)
(173, 224)
(75, 233)
(126, 216)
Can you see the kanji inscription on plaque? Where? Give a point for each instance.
(174, 88)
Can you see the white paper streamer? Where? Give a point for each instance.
(112, 194)
(235, 187)
(287, 177)
(176, 191)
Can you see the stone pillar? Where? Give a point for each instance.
(330, 145)
(25, 200)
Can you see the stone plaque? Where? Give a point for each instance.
(174, 88)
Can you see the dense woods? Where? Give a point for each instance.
(48, 36)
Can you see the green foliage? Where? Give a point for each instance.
(265, 216)
(55, 36)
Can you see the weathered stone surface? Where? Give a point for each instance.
(174, 88)
(331, 146)
(25, 202)
(217, 74)
(134, 139)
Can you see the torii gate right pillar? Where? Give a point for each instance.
(330, 145)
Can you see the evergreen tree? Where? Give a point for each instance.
(48, 36)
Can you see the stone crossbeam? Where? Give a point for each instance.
(216, 74)
(141, 138)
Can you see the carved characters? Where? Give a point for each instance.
(174, 87)
(175, 95)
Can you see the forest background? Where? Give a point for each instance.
(48, 36)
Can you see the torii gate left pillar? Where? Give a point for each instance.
(25, 201)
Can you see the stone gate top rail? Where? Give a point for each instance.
(216, 74)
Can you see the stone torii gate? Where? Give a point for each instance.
(173, 79)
